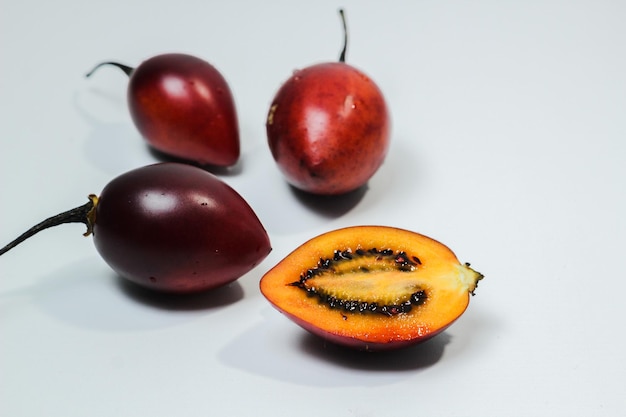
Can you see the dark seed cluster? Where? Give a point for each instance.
(353, 306)
(399, 260)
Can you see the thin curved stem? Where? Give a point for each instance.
(125, 68)
(342, 57)
(83, 214)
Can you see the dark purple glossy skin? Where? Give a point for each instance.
(183, 107)
(177, 228)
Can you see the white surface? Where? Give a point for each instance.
(509, 125)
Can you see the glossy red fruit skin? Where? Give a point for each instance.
(177, 228)
(328, 128)
(184, 108)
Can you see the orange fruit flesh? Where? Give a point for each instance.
(446, 283)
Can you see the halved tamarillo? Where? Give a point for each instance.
(170, 227)
(371, 287)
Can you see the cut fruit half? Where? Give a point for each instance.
(371, 287)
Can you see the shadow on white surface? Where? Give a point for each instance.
(111, 146)
(284, 352)
(407, 359)
(330, 207)
(87, 295)
(216, 298)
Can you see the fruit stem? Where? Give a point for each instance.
(85, 214)
(125, 68)
(342, 57)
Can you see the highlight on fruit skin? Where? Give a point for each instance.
(371, 287)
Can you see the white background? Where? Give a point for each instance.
(509, 127)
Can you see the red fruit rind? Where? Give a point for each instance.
(184, 107)
(328, 128)
(447, 285)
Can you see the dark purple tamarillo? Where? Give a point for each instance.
(170, 227)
